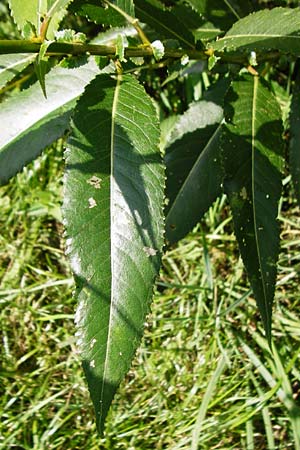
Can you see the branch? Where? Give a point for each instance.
(62, 48)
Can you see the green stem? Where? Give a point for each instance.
(62, 49)
(133, 21)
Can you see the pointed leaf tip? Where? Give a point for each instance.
(252, 151)
(113, 209)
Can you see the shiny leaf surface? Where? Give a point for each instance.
(194, 172)
(113, 211)
(276, 29)
(252, 157)
(29, 122)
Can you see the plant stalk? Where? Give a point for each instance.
(75, 49)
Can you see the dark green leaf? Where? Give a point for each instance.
(170, 23)
(113, 210)
(295, 138)
(252, 157)
(29, 122)
(194, 172)
(276, 29)
(92, 10)
(220, 14)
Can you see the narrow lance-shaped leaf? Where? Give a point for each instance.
(294, 162)
(41, 65)
(276, 29)
(194, 171)
(11, 65)
(252, 156)
(113, 211)
(29, 122)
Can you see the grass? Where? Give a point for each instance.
(203, 378)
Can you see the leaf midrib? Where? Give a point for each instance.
(234, 36)
(112, 222)
(17, 63)
(253, 150)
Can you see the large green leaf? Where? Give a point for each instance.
(276, 29)
(294, 161)
(113, 211)
(252, 157)
(12, 64)
(29, 122)
(194, 172)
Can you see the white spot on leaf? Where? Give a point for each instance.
(79, 315)
(95, 182)
(75, 263)
(92, 363)
(92, 202)
(149, 251)
(243, 193)
(93, 342)
(69, 242)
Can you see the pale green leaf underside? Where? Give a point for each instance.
(12, 64)
(194, 173)
(276, 29)
(29, 122)
(126, 5)
(113, 211)
(252, 158)
(200, 187)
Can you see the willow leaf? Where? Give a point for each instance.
(167, 22)
(92, 10)
(218, 16)
(35, 11)
(294, 160)
(194, 172)
(252, 157)
(216, 13)
(29, 122)
(276, 29)
(12, 64)
(113, 212)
